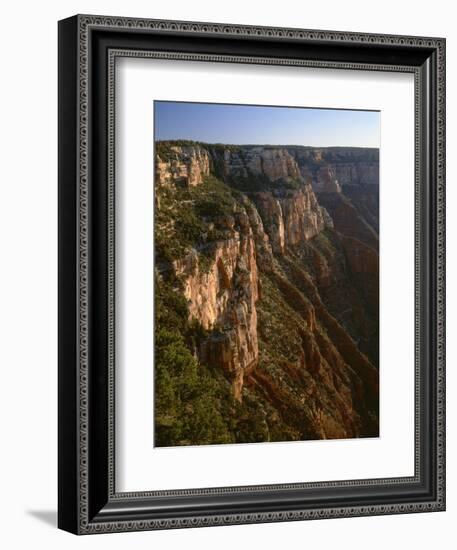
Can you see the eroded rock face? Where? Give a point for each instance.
(264, 250)
(186, 165)
(326, 181)
(289, 216)
(357, 173)
(292, 217)
(273, 219)
(271, 163)
(223, 299)
(303, 217)
(346, 165)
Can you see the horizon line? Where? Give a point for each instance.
(270, 144)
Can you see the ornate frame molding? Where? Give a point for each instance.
(77, 516)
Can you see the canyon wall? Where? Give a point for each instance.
(222, 298)
(294, 257)
(350, 165)
(271, 163)
(184, 165)
(292, 217)
(328, 168)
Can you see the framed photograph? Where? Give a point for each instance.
(251, 274)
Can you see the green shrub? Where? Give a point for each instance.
(187, 395)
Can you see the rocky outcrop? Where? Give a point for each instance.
(271, 212)
(326, 181)
(185, 165)
(222, 298)
(272, 163)
(357, 173)
(292, 217)
(264, 250)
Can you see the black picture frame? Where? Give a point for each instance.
(87, 499)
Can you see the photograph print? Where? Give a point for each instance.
(266, 274)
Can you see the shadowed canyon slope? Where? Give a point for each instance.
(266, 293)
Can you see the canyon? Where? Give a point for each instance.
(273, 251)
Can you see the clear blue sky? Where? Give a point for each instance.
(247, 124)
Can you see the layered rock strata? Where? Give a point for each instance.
(292, 217)
(294, 250)
(223, 300)
(185, 165)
